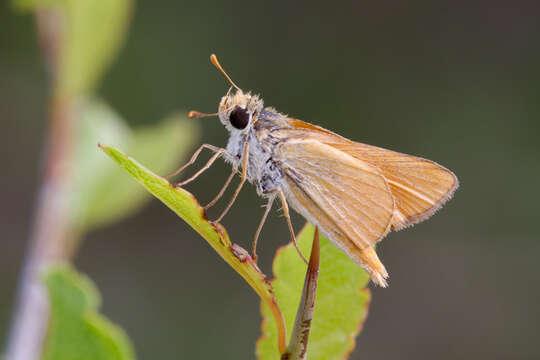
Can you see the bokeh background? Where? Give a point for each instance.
(455, 82)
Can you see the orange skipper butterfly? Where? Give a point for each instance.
(353, 192)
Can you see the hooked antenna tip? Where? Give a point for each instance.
(194, 114)
(215, 62)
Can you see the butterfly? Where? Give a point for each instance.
(353, 192)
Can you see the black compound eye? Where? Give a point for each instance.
(239, 118)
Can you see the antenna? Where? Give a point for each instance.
(215, 62)
(194, 114)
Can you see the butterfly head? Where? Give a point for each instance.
(238, 111)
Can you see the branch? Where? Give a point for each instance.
(51, 235)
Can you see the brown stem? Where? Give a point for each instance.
(297, 349)
(51, 236)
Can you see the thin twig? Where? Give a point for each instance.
(297, 349)
(51, 237)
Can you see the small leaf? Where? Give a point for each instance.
(76, 329)
(93, 31)
(97, 29)
(340, 307)
(186, 206)
(100, 195)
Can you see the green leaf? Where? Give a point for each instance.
(341, 303)
(100, 195)
(76, 329)
(186, 207)
(92, 33)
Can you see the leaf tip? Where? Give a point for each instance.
(106, 149)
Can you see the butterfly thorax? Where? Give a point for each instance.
(263, 169)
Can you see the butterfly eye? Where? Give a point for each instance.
(239, 118)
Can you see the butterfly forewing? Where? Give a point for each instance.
(346, 196)
(419, 186)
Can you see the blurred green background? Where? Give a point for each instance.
(454, 82)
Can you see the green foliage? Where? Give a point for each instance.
(80, 38)
(94, 31)
(341, 304)
(186, 206)
(99, 194)
(76, 330)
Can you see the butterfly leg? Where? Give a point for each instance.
(194, 158)
(239, 187)
(218, 153)
(222, 191)
(263, 220)
(288, 217)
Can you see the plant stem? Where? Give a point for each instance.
(297, 349)
(51, 235)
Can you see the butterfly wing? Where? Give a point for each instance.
(345, 196)
(419, 186)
